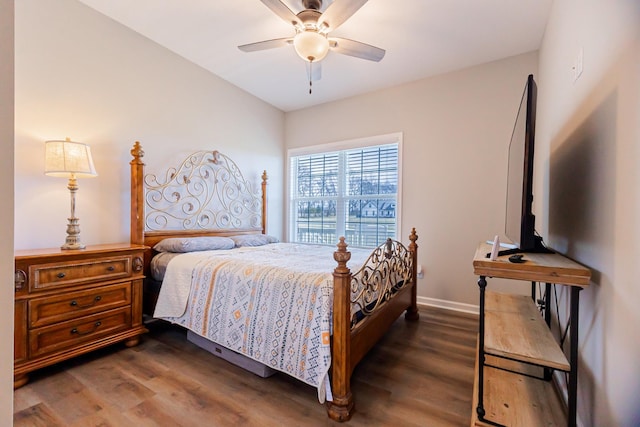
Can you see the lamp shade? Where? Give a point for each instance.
(67, 158)
(311, 46)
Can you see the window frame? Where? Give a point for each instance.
(371, 141)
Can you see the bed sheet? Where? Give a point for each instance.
(159, 264)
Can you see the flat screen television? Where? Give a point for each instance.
(519, 218)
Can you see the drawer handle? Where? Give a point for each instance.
(111, 268)
(20, 279)
(74, 303)
(95, 327)
(61, 275)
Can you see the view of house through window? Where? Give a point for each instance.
(350, 192)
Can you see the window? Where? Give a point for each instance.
(351, 191)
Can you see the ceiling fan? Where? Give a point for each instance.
(311, 41)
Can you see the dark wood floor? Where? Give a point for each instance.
(420, 374)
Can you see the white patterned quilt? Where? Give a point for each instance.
(272, 303)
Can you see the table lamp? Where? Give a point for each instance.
(68, 159)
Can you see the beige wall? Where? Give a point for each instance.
(589, 134)
(456, 130)
(81, 75)
(6, 211)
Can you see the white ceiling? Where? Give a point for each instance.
(421, 38)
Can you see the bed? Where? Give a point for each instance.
(343, 301)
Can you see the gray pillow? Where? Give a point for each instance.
(253, 240)
(193, 244)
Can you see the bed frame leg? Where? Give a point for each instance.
(412, 310)
(341, 408)
(412, 314)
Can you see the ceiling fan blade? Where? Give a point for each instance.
(266, 44)
(338, 12)
(281, 9)
(357, 49)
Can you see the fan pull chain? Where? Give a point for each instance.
(310, 76)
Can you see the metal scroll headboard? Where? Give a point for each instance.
(206, 191)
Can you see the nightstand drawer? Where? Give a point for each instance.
(47, 276)
(47, 310)
(61, 336)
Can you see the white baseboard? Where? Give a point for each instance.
(449, 305)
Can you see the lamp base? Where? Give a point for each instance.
(68, 246)
(73, 235)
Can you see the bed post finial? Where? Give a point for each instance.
(412, 311)
(138, 153)
(342, 406)
(342, 256)
(264, 202)
(413, 237)
(137, 194)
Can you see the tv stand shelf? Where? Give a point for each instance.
(515, 329)
(517, 351)
(517, 400)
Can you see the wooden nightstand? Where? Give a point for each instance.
(69, 302)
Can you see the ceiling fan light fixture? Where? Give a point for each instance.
(311, 46)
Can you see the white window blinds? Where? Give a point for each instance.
(350, 192)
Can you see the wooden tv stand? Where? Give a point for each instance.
(517, 352)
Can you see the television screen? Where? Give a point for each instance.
(519, 220)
